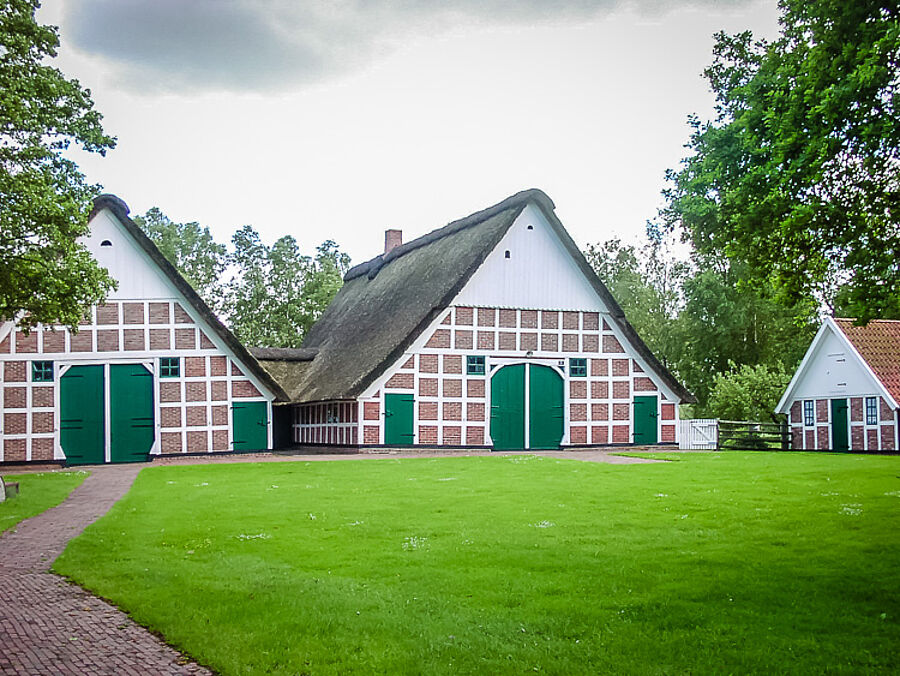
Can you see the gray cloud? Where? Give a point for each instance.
(253, 45)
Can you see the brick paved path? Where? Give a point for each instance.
(49, 626)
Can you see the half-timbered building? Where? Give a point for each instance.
(152, 371)
(845, 393)
(492, 331)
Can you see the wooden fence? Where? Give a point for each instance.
(734, 435)
(700, 434)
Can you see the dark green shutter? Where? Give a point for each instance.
(131, 419)
(398, 419)
(250, 425)
(545, 407)
(508, 408)
(645, 420)
(839, 441)
(82, 433)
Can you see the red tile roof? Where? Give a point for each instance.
(878, 343)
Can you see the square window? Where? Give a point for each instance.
(578, 367)
(871, 410)
(169, 367)
(475, 366)
(42, 371)
(809, 413)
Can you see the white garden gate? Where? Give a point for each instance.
(701, 434)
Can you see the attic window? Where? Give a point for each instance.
(531, 227)
(105, 242)
(506, 254)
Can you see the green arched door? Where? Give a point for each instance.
(542, 388)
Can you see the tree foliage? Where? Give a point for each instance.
(646, 281)
(701, 319)
(192, 249)
(798, 174)
(270, 296)
(277, 292)
(45, 274)
(748, 392)
(727, 321)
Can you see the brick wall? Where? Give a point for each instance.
(452, 407)
(861, 436)
(119, 331)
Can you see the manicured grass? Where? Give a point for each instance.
(730, 563)
(37, 493)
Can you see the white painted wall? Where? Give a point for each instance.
(137, 274)
(539, 274)
(834, 371)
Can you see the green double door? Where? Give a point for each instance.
(84, 427)
(541, 388)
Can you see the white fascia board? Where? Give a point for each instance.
(6, 327)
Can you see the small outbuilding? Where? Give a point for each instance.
(845, 393)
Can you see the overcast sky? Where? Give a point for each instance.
(341, 118)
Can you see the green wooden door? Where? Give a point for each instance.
(82, 429)
(508, 408)
(131, 420)
(545, 407)
(839, 440)
(250, 425)
(645, 420)
(398, 419)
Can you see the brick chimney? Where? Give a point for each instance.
(392, 239)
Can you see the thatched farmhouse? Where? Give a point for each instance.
(492, 331)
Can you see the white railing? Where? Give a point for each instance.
(699, 434)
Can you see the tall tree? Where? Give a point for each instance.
(646, 281)
(727, 321)
(798, 174)
(192, 249)
(277, 292)
(45, 274)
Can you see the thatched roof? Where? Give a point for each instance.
(120, 211)
(388, 301)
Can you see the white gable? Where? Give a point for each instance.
(831, 369)
(127, 262)
(539, 273)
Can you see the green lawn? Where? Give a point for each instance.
(37, 493)
(729, 563)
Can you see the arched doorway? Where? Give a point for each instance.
(527, 407)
